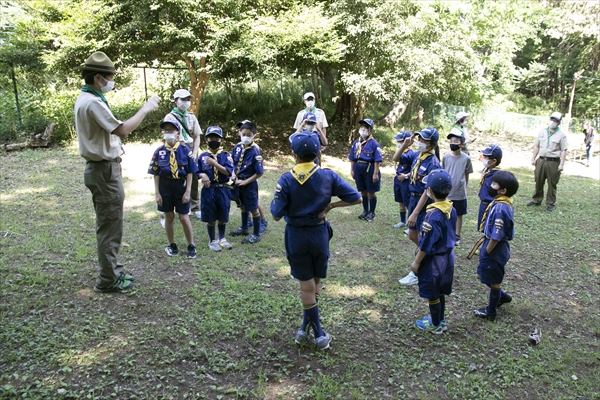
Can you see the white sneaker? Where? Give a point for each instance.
(225, 244)
(408, 280)
(399, 225)
(406, 231)
(214, 245)
(198, 214)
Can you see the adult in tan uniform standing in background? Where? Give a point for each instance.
(549, 155)
(99, 134)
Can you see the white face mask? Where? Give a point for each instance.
(246, 140)
(108, 86)
(363, 132)
(309, 103)
(420, 146)
(183, 105)
(170, 138)
(553, 125)
(485, 162)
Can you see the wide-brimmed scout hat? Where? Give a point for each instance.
(98, 62)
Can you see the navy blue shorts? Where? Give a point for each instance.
(363, 176)
(460, 206)
(414, 199)
(491, 266)
(482, 206)
(401, 192)
(435, 275)
(307, 250)
(248, 196)
(215, 203)
(171, 191)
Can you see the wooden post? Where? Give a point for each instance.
(14, 81)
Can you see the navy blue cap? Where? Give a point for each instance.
(174, 123)
(246, 124)
(492, 151)
(214, 130)
(430, 134)
(304, 144)
(438, 180)
(402, 135)
(367, 122)
(310, 117)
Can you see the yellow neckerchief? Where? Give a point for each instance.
(444, 206)
(303, 171)
(498, 199)
(415, 169)
(485, 173)
(172, 159)
(214, 155)
(361, 144)
(239, 161)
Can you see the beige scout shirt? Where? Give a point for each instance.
(94, 124)
(551, 144)
(321, 118)
(192, 124)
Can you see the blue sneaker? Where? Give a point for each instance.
(251, 239)
(303, 335)
(426, 325)
(324, 341)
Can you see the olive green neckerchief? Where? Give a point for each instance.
(183, 121)
(90, 89)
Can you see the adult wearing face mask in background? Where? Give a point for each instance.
(549, 155)
(190, 135)
(459, 129)
(321, 125)
(99, 135)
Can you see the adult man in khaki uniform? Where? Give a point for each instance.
(99, 134)
(309, 102)
(549, 154)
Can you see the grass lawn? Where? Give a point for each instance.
(221, 326)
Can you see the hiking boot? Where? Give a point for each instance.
(251, 239)
(324, 341)
(533, 203)
(400, 225)
(483, 313)
(224, 243)
(121, 285)
(505, 299)
(214, 245)
(171, 250)
(239, 232)
(191, 251)
(409, 280)
(426, 325)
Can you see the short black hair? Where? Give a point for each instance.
(507, 180)
(88, 76)
(440, 195)
(307, 157)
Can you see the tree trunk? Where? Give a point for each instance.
(198, 81)
(394, 114)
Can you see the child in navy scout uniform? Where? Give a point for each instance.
(365, 159)
(458, 164)
(248, 167)
(303, 198)
(214, 170)
(434, 262)
(491, 157)
(424, 162)
(403, 157)
(173, 166)
(498, 229)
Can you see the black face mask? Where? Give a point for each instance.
(454, 147)
(213, 145)
(492, 192)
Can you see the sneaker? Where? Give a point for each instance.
(457, 243)
(198, 214)
(171, 250)
(550, 207)
(369, 217)
(251, 239)
(239, 232)
(444, 325)
(409, 280)
(400, 225)
(483, 313)
(126, 275)
(363, 215)
(302, 335)
(191, 251)
(406, 231)
(533, 203)
(324, 341)
(121, 285)
(426, 325)
(224, 243)
(263, 226)
(214, 245)
(505, 299)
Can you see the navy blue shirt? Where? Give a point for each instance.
(301, 205)
(406, 161)
(437, 234)
(223, 158)
(485, 183)
(419, 171)
(499, 224)
(368, 150)
(160, 164)
(247, 161)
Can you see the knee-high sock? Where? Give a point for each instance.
(372, 204)
(365, 202)
(313, 316)
(435, 311)
(493, 300)
(403, 216)
(256, 225)
(211, 232)
(244, 220)
(221, 231)
(442, 307)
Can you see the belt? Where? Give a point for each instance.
(117, 160)
(415, 194)
(363, 161)
(551, 158)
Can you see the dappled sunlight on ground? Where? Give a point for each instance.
(108, 349)
(22, 193)
(354, 292)
(286, 389)
(371, 315)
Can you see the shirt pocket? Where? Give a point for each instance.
(554, 144)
